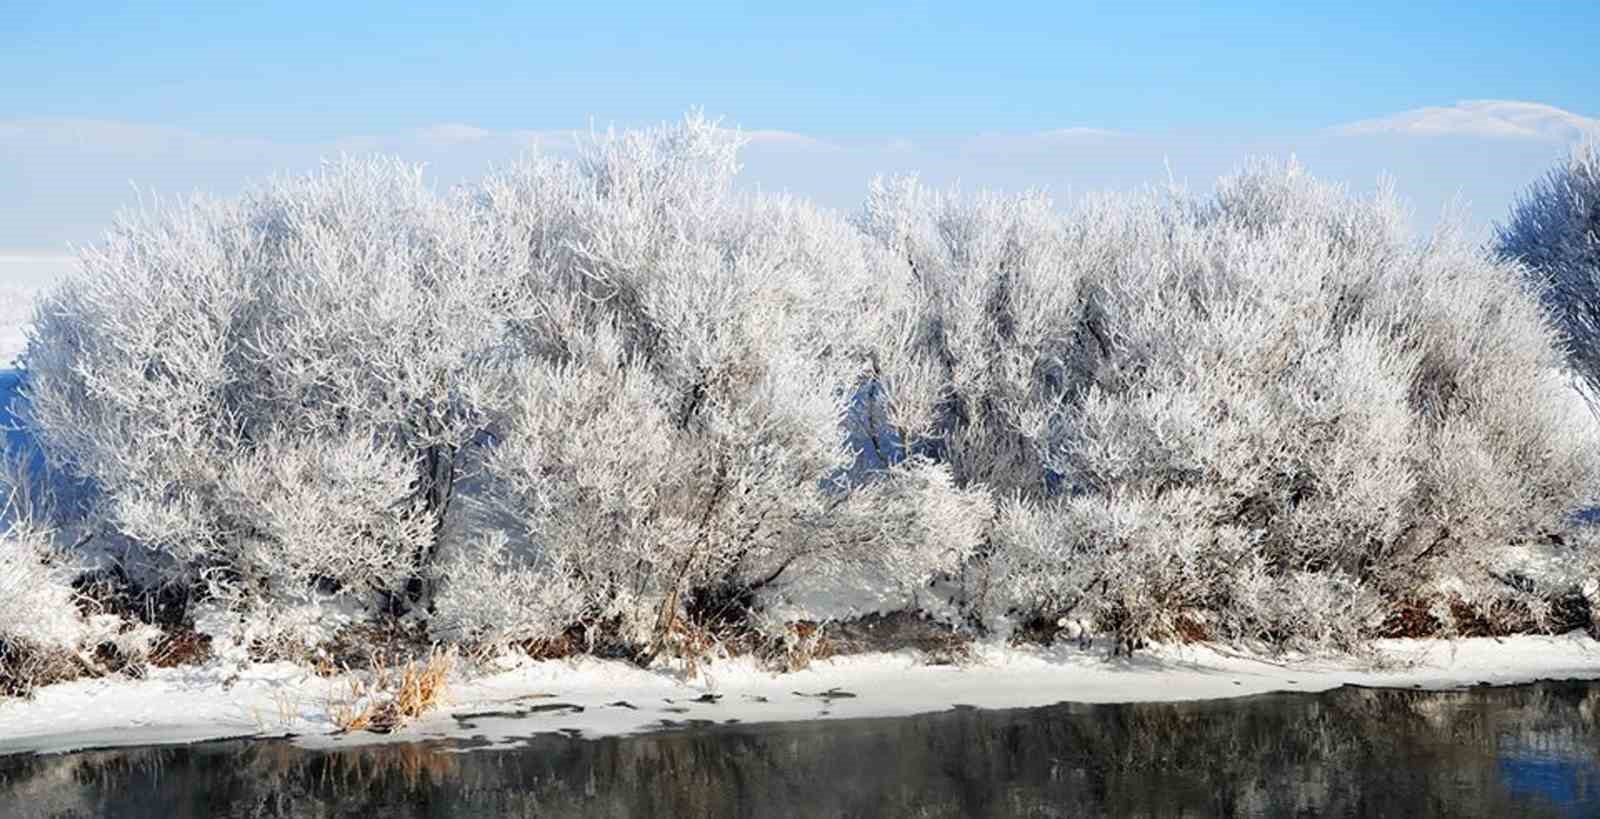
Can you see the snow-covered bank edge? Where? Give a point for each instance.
(600, 697)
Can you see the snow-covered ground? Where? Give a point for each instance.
(597, 697)
(23, 276)
(16, 308)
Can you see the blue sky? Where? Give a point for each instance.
(98, 98)
(323, 70)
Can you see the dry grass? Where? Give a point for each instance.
(180, 647)
(285, 709)
(390, 697)
(1414, 618)
(801, 644)
(352, 710)
(25, 667)
(569, 643)
(952, 648)
(423, 686)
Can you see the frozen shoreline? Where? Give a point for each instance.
(605, 697)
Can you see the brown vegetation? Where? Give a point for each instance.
(388, 699)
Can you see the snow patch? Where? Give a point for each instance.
(600, 697)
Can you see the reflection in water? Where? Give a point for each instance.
(1524, 751)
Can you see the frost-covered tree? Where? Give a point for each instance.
(1268, 413)
(990, 329)
(1555, 231)
(986, 333)
(711, 344)
(1302, 404)
(616, 394)
(274, 391)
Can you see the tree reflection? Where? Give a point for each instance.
(1524, 751)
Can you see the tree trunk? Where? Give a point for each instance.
(437, 489)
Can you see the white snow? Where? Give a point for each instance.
(583, 695)
(24, 275)
(16, 309)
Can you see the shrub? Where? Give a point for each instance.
(379, 702)
(50, 634)
(988, 332)
(614, 398)
(710, 343)
(497, 593)
(1225, 405)
(272, 392)
(1554, 231)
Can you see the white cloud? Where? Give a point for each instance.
(1481, 118)
(65, 179)
(785, 138)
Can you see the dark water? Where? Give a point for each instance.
(1525, 751)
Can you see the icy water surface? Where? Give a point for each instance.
(1523, 751)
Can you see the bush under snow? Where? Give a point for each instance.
(45, 634)
(272, 392)
(1260, 414)
(613, 394)
(672, 438)
(1555, 231)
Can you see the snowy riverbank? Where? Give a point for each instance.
(597, 698)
